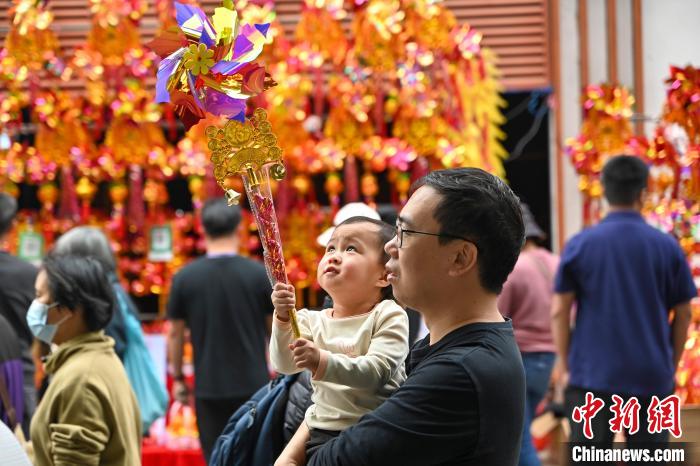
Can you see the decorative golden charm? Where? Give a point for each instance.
(244, 148)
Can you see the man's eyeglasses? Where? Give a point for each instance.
(400, 232)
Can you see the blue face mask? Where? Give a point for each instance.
(36, 319)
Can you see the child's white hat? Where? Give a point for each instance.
(353, 209)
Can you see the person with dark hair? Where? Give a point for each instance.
(224, 300)
(354, 350)
(89, 414)
(124, 327)
(527, 300)
(462, 403)
(16, 293)
(625, 277)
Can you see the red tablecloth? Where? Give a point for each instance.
(154, 455)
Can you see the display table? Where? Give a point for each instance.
(154, 455)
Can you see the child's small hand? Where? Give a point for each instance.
(306, 354)
(284, 300)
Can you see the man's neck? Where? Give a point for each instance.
(226, 245)
(479, 307)
(529, 246)
(625, 208)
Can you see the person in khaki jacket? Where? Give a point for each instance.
(89, 414)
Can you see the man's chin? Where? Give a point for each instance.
(399, 297)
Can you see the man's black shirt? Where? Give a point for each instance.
(462, 404)
(224, 301)
(17, 279)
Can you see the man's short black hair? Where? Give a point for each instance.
(624, 178)
(480, 207)
(81, 282)
(219, 219)
(386, 233)
(8, 209)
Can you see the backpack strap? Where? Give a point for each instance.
(542, 268)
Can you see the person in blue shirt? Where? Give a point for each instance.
(632, 287)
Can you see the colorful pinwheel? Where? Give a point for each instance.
(208, 65)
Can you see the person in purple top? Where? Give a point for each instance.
(527, 299)
(11, 376)
(632, 287)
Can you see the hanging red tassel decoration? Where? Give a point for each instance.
(378, 115)
(85, 189)
(169, 115)
(118, 193)
(370, 188)
(420, 168)
(318, 95)
(136, 209)
(68, 208)
(334, 186)
(352, 188)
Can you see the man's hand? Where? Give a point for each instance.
(284, 300)
(181, 392)
(560, 380)
(306, 354)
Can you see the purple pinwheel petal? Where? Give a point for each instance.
(184, 13)
(195, 92)
(240, 116)
(263, 28)
(242, 44)
(227, 68)
(165, 70)
(207, 39)
(220, 104)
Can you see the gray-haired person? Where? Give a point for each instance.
(91, 241)
(124, 328)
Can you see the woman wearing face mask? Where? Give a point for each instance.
(89, 414)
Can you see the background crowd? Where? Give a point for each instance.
(610, 318)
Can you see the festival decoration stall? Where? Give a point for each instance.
(359, 111)
(365, 97)
(673, 154)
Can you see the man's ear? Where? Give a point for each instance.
(463, 259)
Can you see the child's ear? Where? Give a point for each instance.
(382, 281)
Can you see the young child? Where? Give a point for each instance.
(354, 350)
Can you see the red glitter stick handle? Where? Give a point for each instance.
(260, 199)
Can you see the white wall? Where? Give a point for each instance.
(570, 110)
